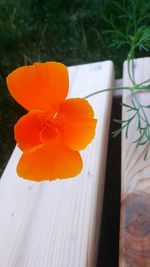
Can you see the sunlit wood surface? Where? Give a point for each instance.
(135, 190)
(56, 224)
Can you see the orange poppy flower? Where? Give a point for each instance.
(54, 129)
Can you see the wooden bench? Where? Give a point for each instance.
(56, 224)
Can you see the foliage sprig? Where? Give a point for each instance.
(136, 35)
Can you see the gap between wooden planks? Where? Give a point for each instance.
(56, 224)
(135, 189)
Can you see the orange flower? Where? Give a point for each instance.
(55, 129)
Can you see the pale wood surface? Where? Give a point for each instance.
(57, 224)
(135, 189)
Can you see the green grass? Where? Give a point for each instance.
(60, 30)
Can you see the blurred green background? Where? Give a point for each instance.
(59, 30)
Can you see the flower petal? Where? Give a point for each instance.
(27, 131)
(49, 163)
(76, 123)
(39, 86)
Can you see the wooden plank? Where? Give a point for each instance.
(135, 189)
(56, 224)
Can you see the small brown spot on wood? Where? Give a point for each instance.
(90, 174)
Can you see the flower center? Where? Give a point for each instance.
(49, 132)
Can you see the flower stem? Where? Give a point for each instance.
(106, 90)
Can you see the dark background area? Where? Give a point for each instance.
(108, 254)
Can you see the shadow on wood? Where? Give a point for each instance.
(109, 239)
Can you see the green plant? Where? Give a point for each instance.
(136, 35)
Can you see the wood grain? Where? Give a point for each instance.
(56, 224)
(135, 189)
